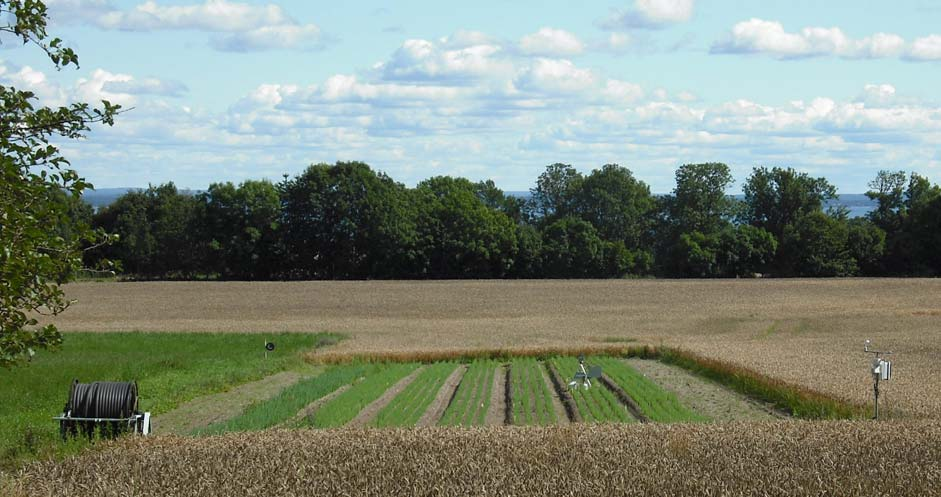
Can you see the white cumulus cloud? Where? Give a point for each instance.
(552, 43)
(759, 36)
(555, 75)
(650, 14)
(241, 27)
(926, 48)
(425, 60)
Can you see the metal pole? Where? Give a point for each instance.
(876, 389)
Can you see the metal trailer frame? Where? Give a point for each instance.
(138, 423)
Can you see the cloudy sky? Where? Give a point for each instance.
(224, 91)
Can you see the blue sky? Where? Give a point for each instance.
(225, 91)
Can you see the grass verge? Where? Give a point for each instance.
(170, 368)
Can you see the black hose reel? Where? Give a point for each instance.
(108, 408)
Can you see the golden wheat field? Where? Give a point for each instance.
(782, 458)
(807, 332)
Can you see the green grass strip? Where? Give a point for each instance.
(407, 408)
(170, 369)
(286, 404)
(347, 405)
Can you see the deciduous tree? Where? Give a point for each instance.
(34, 259)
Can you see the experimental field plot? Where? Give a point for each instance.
(531, 399)
(348, 404)
(655, 403)
(472, 398)
(518, 391)
(409, 406)
(596, 404)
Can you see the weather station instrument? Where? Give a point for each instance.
(584, 376)
(881, 370)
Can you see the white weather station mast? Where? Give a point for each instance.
(881, 370)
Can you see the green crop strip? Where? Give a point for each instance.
(407, 408)
(532, 401)
(655, 402)
(348, 404)
(472, 398)
(292, 399)
(596, 404)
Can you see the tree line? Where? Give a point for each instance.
(348, 221)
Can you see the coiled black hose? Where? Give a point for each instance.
(103, 399)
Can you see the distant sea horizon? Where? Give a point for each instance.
(858, 204)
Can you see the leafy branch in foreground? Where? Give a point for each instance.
(40, 247)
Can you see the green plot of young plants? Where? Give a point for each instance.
(532, 399)
(472, 398)
(344, 407)
(596, 404)
(291, 400)
(654, 402)
(407, 408)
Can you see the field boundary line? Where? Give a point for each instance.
(435, 411)
(469, 355)
(558, 406)
(509, 395)
(497, 411)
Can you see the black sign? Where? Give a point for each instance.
(269, 346)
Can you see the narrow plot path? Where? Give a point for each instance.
(702, 395)
(311, 408)
(369, 413)
(440, 404)
(208, 409)
(561, 416)
(497, 415)
(559, 387)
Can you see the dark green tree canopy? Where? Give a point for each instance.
(345, 221)
(618, 205)
(700, 202)
(553, 197)
(242, 223)
(775, 198)
(461, 236)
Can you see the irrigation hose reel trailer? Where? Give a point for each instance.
(108, 408)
